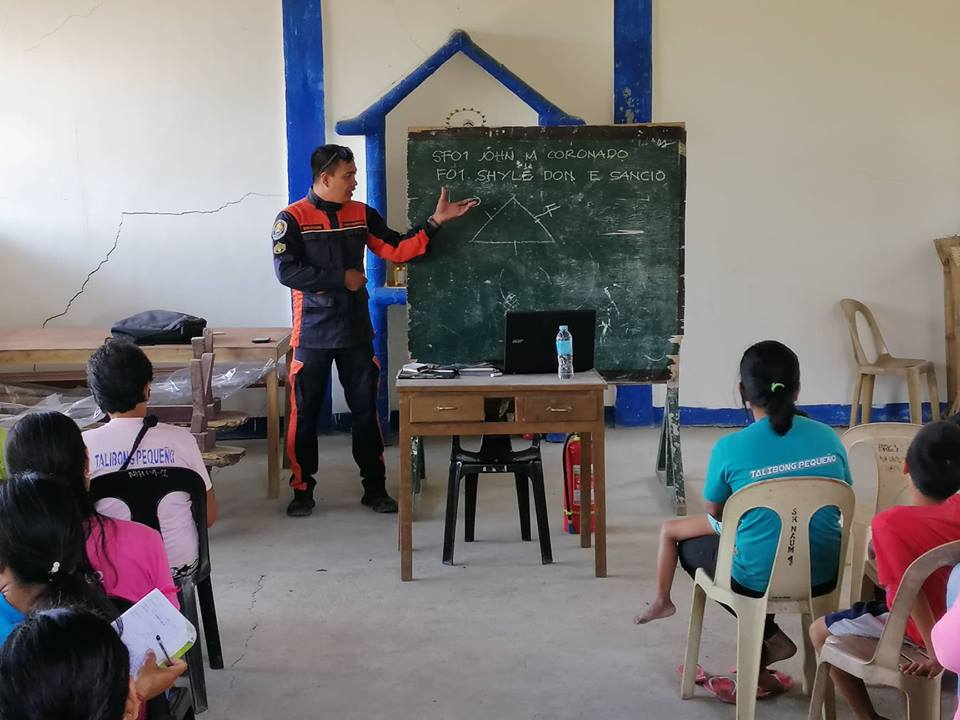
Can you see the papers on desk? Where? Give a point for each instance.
(432, 371)
(155, 624)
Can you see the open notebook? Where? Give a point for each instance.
(155, 624)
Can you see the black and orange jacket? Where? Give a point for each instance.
(314, 243)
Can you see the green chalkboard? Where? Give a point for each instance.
(570, 217)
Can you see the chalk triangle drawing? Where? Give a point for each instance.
(507, 222)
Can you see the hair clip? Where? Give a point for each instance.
(776, 386)
(55, 568)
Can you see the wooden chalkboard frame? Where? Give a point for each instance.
(664, 131)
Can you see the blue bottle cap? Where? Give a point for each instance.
(563, 327)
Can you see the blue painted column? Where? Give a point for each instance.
(633, 103)
(376, 268)
(303, 74)
(306, 116)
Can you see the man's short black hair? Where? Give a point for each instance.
(326, 158)
(933, 460)
(117, 373)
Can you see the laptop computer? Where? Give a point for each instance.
(530, 342)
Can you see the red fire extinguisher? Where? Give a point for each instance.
(571, 487)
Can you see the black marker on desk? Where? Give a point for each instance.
(165, 653)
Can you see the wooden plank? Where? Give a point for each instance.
(948, 249)
(405, 499)
(599, 492)
(669, 459)
(586, 485)
(273, 434)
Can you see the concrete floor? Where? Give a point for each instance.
(316, 623)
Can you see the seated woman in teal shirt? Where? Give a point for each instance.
(780, 442)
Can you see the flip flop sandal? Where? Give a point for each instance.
(701, 676)
(725, 689)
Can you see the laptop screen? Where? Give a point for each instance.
(529, 345)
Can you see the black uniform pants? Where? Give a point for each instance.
(359, 373)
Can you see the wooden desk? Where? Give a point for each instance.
(542, 404)
(38, 347)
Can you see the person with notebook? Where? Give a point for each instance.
(318, 249)
(119, 375)
(70, 663)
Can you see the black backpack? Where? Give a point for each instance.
(159, 327)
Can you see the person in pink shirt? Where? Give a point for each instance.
(129, 557)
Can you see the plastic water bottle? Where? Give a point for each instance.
(564, 353)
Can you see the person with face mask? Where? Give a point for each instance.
(318, 250)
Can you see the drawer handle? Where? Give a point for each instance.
(444, 408)
(559, 409)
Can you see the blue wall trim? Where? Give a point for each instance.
(634, 406)
(371, 120)
(835, 415)
(632, 61)
(303, 74)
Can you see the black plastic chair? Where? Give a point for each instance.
(496, 455)
(177, 702)
(141, 491)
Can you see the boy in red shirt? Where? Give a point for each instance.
(900, 535)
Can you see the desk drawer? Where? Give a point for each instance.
(446, 408)
(567, 406)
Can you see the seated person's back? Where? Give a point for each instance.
(903, 533)
(780, 444)
(129, 557)
(119, 374)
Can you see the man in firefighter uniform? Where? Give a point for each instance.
(318, 250)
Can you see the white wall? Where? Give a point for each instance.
(149, 107)
(823, 158)
(823, 154)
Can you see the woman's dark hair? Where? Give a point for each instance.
(770, 380)
(43, 542)
(65, 663)
(51, 444)
(117, 373)
(326, 158)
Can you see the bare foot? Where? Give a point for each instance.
(776, 648)
(659, 609)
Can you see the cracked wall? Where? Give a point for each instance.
(143, 164)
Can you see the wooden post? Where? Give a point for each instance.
(669, 459)
(405, 493)
(948, 249)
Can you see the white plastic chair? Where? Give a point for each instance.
(889, 443)
(910, 369)
(795, 500)
(877, 662)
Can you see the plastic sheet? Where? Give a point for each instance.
(17, 401)
(78, 404)
(228, 379)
